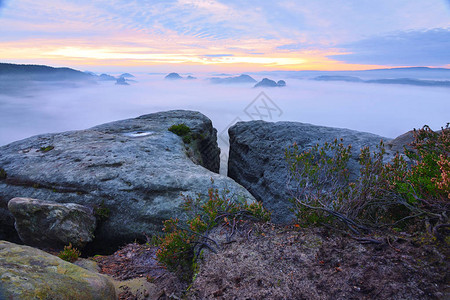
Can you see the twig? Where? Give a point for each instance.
(389, 242)
(201, 235)
(436, 232)
(229, 242)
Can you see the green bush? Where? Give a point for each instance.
(69, 253)
(318, 180)
(399, 194)
(431, 160)
(180, 129)
(183, 241)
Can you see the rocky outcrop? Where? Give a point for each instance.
(29, 273)
(173, 76)
(133, 170)
(233, 80)
(399, 143)
(46, 224)
(257, 159)
(281, 83)
(121, 81)
(266, 82)
(127, 75)
(106, 77)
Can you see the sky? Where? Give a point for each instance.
(231, 35)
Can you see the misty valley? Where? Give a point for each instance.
(41, 99)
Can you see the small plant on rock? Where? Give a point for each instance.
(183, 242)
(182, 130)
(69, 253)
(47, 148)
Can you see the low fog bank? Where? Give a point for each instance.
(418, 73)
(387, 110)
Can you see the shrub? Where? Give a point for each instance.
(318, 180)
(180, 129)
(395, 194)
(431, 160)
(182, 242)
(69, 253)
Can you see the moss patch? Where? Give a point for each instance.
(47, 148)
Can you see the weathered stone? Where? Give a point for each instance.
(402, 141)
(46, 224)
(257, 157)
(134, 168)
(29, 273)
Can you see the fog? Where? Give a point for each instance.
(387, 110)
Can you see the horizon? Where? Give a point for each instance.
(212, 73)
(204, 36)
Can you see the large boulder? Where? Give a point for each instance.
(29, 273)
(47, 224)
(257, 157)
(132, 170)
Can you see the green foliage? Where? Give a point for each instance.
(101, 212)
(397, 194)
(47, 148)
(180, 129)
(69, 253)
(321, 177)
(3, 174)
(182, 239)
(187, 139)
(430, 157)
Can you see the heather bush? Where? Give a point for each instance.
(69, 253)
(412, 189)
(183, 242)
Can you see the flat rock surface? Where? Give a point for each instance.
(135, 170)
(257, 157)
(29, 273)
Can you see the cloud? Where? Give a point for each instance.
(218, 55)
(291, 47)
(200, 31)
(426, 48)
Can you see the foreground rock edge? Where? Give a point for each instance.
(29, 273)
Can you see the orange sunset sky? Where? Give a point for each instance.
(212, 35)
